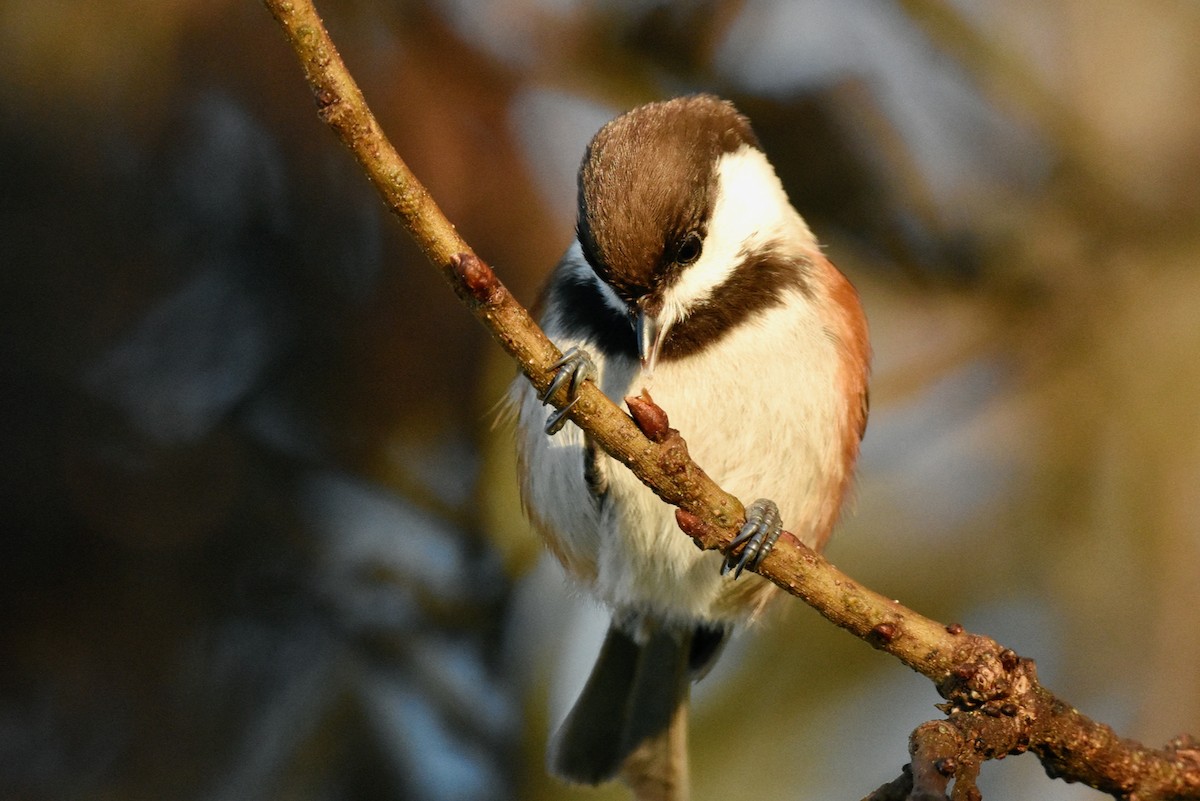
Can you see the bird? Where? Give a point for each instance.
(690, 276)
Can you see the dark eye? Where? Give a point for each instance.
(689, 249)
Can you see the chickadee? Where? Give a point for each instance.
(692, 276)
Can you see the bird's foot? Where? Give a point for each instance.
(763, 526)
(575, 367)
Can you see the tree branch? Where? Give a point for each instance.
(995, 705)
(340, 103)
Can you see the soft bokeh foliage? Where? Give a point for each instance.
(261, 539)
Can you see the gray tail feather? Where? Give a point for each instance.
(632, 695)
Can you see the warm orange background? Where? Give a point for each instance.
(259, 538)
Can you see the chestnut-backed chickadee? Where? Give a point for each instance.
(692, 276)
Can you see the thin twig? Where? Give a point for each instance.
(340, 103)
(895, 790)
(994, 701)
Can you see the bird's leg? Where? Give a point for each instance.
(575, 367)
(763, 526)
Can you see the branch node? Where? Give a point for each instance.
(885, 632)
(947, 766)
(649, 416)
(476, 277)
(706, 536)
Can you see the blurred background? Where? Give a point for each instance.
(260, 537)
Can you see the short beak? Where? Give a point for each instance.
(649, 337)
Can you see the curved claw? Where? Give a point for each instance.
(575, 367)
(558, 418)
(762, 528)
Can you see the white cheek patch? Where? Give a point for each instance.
(751, 210)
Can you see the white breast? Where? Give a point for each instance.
(761, 411)
(761, 415)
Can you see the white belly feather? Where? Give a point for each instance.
(752, 438)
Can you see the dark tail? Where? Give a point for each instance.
(633, 695)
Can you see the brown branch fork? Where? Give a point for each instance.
(994, 703)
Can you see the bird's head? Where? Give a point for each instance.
(684, 220)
